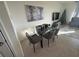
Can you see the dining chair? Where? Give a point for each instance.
(48, 35)
(35, 39)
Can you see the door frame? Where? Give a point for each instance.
(6, 39)
(6, 42)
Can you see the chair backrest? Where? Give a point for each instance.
(48, 34)
(28, 36)
(39, 29)
(46, 26)
(55, 24)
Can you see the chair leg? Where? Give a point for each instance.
(41, 43)
(48, 42)
(34, 47)
(53, 38)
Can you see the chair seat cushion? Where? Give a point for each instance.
(35, 38)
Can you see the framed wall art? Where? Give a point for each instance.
(33, 13)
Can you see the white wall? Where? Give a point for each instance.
(9, 30)
(19, 19)
(70, 8)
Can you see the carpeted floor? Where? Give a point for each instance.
(67, 45)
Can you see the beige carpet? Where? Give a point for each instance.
(64, 46)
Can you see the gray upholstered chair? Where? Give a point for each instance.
(48, 35)
(34, 39)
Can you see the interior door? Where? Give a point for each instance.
(5, 50)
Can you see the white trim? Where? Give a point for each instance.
(14, 28)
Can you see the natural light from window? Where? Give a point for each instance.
(66, 32)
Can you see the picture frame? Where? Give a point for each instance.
(33, 13)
